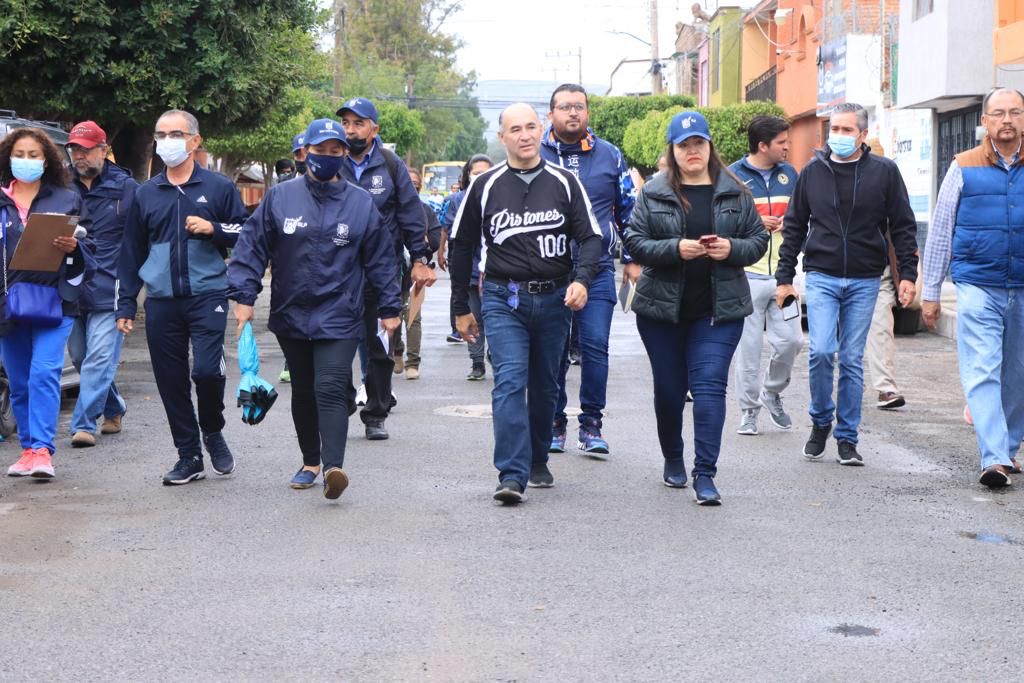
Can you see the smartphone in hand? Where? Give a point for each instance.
(790, 308)
(707, 240)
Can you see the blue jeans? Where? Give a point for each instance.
(526, 351)
(594, 323)
(95, 348)
(846, 303)
(694, 356)
(34, 359)
(990, 347)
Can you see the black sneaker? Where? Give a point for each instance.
(815, 446)
(477, 373)
(187, 470)
(848, 454)
(375, 431)
(541, 477)
(704, 490)
(510, 492)
(221, 459)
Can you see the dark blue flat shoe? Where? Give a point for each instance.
(674, 474)
(304, 479)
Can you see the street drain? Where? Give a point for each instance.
(854, 631)
(989, 537)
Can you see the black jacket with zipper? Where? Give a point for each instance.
(860, 248)
(659, 223)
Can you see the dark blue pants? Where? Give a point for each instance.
(593, 325)
(694, 356)
(172, 325)
(321, 376)
(380, 364)
(526, 351)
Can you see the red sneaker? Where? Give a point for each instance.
(42, 466)
(23, 467)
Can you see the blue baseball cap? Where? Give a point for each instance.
(298, 142)
(361, 107)
(685, 125)
(322, 130)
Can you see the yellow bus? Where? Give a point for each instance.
(440, 176)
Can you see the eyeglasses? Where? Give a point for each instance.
(513, 299)
(565, 108)
(173, 134)
(999, 114)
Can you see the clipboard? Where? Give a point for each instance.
(35, 250)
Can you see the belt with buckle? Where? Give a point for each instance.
(533, 286)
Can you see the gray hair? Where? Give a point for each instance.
(852, 108)
(191, 121)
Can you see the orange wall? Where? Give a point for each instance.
(1008, 37)
(804, 138)
(796, 84)
(757, 54)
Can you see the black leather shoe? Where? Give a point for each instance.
(674, 475)
(375, 431)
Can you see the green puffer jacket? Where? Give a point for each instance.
(657, 226)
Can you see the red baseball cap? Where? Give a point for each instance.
(87, 134)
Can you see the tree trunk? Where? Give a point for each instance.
(133, 149)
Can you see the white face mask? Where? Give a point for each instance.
(173, 152)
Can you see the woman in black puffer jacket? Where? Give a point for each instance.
(694, 229)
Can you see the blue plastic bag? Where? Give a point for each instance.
(255, 394)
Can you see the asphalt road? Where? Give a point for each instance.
(905, 569)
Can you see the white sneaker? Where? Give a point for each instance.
(748, 425)
(361, 395)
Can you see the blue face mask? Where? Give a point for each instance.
(323, 166)
(842, 145)
(27, 170)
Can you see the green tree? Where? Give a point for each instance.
(122, 63)
(610, 116)
(644, 140)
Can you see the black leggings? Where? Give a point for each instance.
(321, 376)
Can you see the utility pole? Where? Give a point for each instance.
(559, 55)
(338, 11)
(655, 62)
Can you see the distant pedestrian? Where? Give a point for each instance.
(601, 169)
(524, 214)
(975, 235)
(107, 192)
(284, 170)
(33, 180)
(694, 229)
(176, 238)
(384, 175)
(771, 181)
(324, 241)
(842, 204)
(880, 351)
(299, 170)
(477, 164)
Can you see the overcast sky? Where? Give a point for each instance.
(520, 39)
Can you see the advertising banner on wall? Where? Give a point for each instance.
(908, 142)
(831, 76)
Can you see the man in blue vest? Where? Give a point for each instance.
(977, 234)
(603, 172)
(380, 172)
(95, 344)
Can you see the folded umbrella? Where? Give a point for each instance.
(255, 394)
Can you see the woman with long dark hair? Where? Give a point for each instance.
(693, 230)
(33, 179)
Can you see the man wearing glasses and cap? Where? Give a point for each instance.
(95, 344)
(176, 238)
(380, 172)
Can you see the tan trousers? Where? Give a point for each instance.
(880, 352)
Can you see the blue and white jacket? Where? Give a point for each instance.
(323, 241)
(604, 174)
(76, 268)
(107, 204)
(159, 252)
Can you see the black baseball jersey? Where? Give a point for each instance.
(523, 221)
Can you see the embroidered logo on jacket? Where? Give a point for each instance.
(341, 235)
(291, 224)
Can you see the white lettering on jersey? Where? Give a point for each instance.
(505, 223)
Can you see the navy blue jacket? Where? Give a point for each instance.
(161, 253)
(398, 203)
(451, 210)
(79, 266)
(322, 241)
(604, 174)
(107, 204)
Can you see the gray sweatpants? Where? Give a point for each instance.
(785, 337)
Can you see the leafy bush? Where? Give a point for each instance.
(610, 116)
(644, 140)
